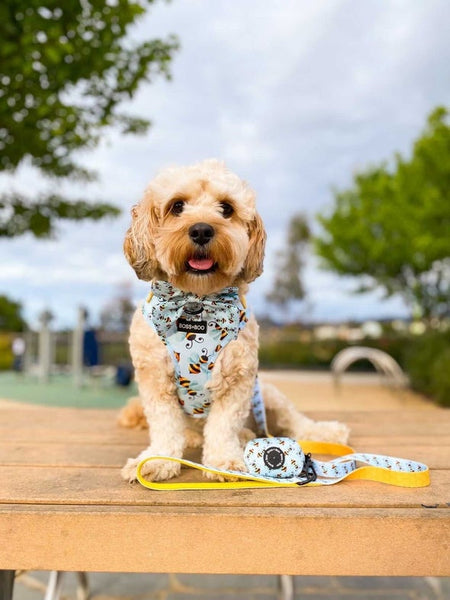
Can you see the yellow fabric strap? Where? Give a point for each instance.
(416, 479)
(246, 481)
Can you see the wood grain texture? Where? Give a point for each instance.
(273, 541)
(427, 450)
(64, 506)
(103, 486)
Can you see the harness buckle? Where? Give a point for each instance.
(193, 308)
(308, 471)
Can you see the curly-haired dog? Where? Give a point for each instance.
(197, 236)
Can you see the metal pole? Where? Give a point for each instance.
(83, 586)
(28, 356)
(286, 585)
(77, 348)
(54, 585)
(45, 346)
(6, 584)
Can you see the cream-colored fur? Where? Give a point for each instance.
(158, 246)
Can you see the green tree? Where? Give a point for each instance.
(288, 286)
(11, 318)
(391, 228)
(65, 70)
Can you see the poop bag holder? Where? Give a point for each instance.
(283, 462)
(279, 458)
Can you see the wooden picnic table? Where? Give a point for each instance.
(64, 506)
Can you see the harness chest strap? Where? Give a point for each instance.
(195, 329)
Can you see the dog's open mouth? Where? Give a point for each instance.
(201, 265)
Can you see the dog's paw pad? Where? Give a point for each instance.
(229, 465)
(158, 470)
(129, 471)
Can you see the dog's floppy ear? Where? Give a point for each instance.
(139, 247)
(253, 265)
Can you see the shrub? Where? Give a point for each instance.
(426, 358)
(427, 362)
(6, 355)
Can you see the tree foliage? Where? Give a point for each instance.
(65, 70)
(288, 285)
(11, 318)
(38, 217)
(391, 228)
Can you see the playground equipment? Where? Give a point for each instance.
(45, 363)
(77, 347)
(383, 363)
(45, 346)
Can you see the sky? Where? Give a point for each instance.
(296, 96)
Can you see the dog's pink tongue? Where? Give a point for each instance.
(201, 264)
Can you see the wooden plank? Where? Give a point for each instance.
(89, 420)
(378, 443)
(64, 425)
(279, 540)
(59, 454)
(355, 392)
(104, 486)
(435, 455)
(59, 425)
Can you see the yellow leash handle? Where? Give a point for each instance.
(248, 481)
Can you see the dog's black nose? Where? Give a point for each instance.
(201, 233)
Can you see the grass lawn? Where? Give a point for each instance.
(60, 391)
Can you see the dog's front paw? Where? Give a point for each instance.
(153, 470)
(233, 464)
(342, 433)
(333, 431)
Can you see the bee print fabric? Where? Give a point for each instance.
(195, 329)
(283, 459)
(282, 462)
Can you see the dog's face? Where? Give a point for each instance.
(197, 227)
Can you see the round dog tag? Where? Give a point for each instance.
(193, 308)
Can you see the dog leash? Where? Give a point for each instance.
(283, 462)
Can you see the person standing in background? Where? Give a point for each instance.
(18, 350)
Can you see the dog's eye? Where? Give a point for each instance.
(177, 207)
(227, 209)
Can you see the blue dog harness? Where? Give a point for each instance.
(195, 329)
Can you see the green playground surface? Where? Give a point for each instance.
(61, 391)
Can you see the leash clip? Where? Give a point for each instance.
(308, 471)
